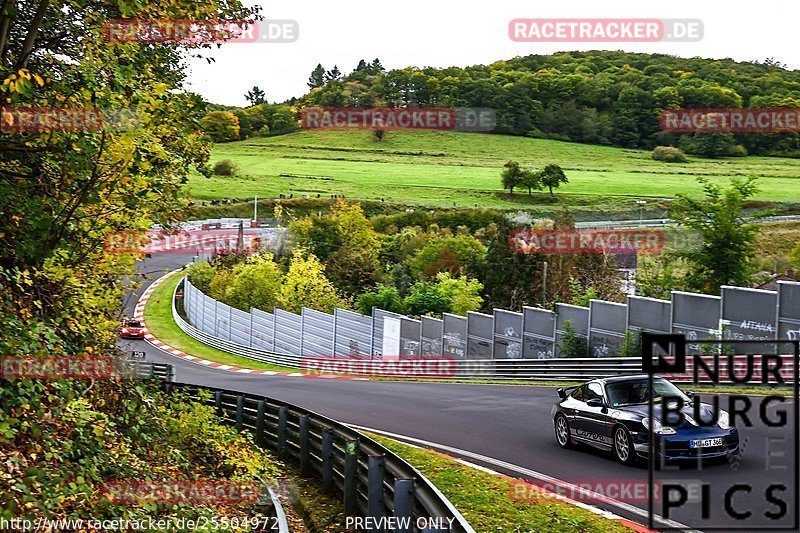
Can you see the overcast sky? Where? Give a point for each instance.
(457, 33)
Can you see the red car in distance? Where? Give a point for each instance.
(130, 328)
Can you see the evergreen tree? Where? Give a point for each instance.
(333, 75)
(317, 78)
(256, 96)
(376, 67)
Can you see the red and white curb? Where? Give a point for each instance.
(138, 314)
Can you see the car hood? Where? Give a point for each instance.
(706, 412)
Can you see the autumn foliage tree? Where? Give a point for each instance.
(221, 126)
(305, 285)
(63, 192)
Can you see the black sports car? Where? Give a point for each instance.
(612, 414)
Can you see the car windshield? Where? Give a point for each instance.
(636, 391)
(134, 324)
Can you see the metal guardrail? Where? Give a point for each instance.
(666, 222)
(529, 369)
(148, 370)
(277, 511)
(166, 373)
(370, 480)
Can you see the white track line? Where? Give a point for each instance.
(575, 489)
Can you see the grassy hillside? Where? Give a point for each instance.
(442, 168)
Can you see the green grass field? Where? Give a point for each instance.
(443, 168)
(159, 320)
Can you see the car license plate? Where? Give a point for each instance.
(705, 443)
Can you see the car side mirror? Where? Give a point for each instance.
(595, 402)
(689, 393)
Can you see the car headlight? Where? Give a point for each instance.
(724, 420)
(658, 427)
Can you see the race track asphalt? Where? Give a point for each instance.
(510, 429)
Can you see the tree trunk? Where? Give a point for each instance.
(30, 38)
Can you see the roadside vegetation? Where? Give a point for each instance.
(64, 439)
(405, 263)
(487, 500)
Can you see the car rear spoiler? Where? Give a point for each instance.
(563, 392)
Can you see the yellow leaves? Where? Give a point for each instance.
(24, 278)
(21, 80)
(160, 88)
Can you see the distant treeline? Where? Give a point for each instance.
(599, 97)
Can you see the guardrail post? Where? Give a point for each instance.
(218, 403)
(327, 459)
(404, 505)
(152, 371)
(260, 412)
(375, 488)
(171, 373)
(239, 413)
(283, 414)
(230, 322)
(250, 331)
(304, 455)
(350, 477)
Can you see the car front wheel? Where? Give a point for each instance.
(562, 432)
(623, 446)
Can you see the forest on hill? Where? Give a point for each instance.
(599, 97)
